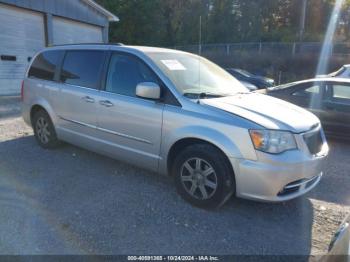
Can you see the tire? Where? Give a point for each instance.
(203, 176)
(44, 130)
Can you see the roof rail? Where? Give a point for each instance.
(117, 44)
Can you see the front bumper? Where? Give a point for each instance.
(280, 177)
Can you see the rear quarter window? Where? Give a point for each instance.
(341, 92)
(45, 65)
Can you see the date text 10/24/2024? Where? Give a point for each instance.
(173, 258)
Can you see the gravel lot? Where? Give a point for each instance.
(71, 201)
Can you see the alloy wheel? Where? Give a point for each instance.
(42, 130)
(199, 178)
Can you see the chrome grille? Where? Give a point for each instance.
(295, 186)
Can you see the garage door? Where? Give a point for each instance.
(67, 31)
(21, 35)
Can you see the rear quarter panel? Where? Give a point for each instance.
(37, 92)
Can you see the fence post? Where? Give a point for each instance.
(294, 49)
(227, 49)
(260, 48)
(279, 77)
(331, 49)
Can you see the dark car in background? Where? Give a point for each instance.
(248, 85)
(245, 77)
(328, 98)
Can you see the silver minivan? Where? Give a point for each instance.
(174, 113)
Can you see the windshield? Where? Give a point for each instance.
(244, 72)
(192, 74)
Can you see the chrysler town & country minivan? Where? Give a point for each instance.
(174, 113)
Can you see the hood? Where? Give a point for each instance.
(269, 112)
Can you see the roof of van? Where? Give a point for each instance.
(144, 49)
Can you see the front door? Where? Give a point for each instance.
(129, 126)
(336, 108)
(308, 96)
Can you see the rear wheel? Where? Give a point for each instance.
(44, 130)
(203, 176)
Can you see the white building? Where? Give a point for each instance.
(27, 26)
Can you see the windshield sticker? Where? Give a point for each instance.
(173, 65)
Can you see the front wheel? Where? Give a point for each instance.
(203, 176)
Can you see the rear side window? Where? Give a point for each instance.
(45, 64)
(83, 68)
(341, 91)
(308, 91)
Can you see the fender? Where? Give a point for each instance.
(212, 136)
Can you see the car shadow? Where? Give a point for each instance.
(72, 201)
(334, 185)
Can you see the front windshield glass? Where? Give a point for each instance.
(192, 74)
(244, 72)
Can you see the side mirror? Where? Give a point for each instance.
(148, 90)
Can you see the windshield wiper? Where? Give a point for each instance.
(243, 93)
(203, 95)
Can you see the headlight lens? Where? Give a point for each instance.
(272, 141)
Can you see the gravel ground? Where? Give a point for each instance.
(71, 201)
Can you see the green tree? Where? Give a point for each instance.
(221, 24)
(141, 22)
(176, 22)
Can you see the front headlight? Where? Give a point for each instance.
(272, 141)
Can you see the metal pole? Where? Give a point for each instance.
(294, 48)
(302, 20)
(279, 77)
(200, 36)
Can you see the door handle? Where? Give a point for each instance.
(106, 103)
(88, 99)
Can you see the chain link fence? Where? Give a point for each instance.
(296, 48)
(285, 62)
